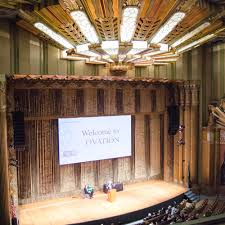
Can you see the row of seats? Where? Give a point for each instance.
(184, 211)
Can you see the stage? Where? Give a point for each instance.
(77, 209)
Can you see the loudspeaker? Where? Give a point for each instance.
(18, 127)
(173, 113)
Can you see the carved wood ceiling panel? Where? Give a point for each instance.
(106, 18)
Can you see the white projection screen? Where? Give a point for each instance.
(94, 138)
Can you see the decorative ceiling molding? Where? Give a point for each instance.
(105, 18)
(108, 28)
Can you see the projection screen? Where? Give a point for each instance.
(93, 138)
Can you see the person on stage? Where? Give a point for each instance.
(88, 191)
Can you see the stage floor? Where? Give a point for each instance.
(76, 210)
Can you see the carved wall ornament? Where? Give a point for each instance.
(217, 113)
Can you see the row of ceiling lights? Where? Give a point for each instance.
(128, 25)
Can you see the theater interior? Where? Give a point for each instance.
(112, 112)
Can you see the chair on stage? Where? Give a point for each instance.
(88, 191)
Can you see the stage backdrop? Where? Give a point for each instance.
(39, 174)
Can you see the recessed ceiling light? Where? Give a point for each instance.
(138, 46)
(190, 34)
(207, 37)
(128, 25)
(168, 27)
(56, 37)
(110, 47)
(81, 19)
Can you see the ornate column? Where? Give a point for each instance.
(194, 132)
(181, 146)
(168, 139)
(4, 182)
(187, 132)
(217, 160)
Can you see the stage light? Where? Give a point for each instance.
(201, 40)
(128, 25)
(110, 47)
(190, 34)
(168, 27)
(56, 37)
(81, 19)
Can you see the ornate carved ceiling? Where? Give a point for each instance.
(201, 21)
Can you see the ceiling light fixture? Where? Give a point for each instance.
(128, 25)
(81, 19)
(162, 49)
(64, 55)
(168, 27)
(56, 37)
(201, 40)
(190, 34)
(84, 49)
(110, 47)
(138, 46)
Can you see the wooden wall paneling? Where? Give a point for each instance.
(24, 52)
(4, 175)
(187, 133)
(55, 158)
(24, 176)
(5, 59)
(129, 100)
(119, 100)
(181, 147)
(208, 157)
(129, 107)
(112, 110)
(123, 165)
(145, 105)
(153, 101)
(89, 174)
(124, 172)
(176, 158)
(194, 132)
(78, 101)
(155, 146)
(35, 54)
(13, 175)
(160, 99)
(161, 117)
(53, 58)
(105, 170)
(31, 138)
(148, 124)
(67, 176)
(168, 143)
(147, 131)
(217, 159)
(140, 171)
(137, 100)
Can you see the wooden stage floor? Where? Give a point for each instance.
(75, 210)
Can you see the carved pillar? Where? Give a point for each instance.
(194, 132)
(208, 157)
(13, 187)
(4, 182)
(187, 132)
(217, 160)
(168, 140)
(181, 146)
